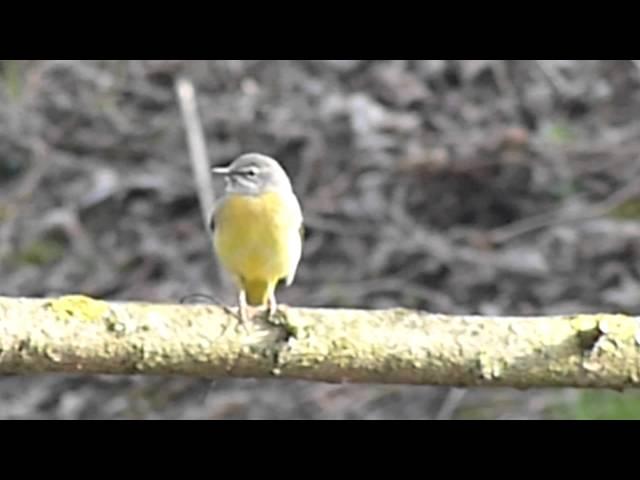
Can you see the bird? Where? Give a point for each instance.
(258, 229)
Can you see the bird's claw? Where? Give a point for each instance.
(277, 315)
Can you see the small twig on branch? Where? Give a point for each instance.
(75, 334)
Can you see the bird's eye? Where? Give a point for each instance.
(252, 172)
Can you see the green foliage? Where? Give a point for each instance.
(41, 252)
(13, 79)
(564, 189)
(601, 405)
(629, 210)
(5, 212)
(560, 133)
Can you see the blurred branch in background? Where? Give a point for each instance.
(197, 147)
(575, 212)
(11, 202)
(199, 158)
(76, 334)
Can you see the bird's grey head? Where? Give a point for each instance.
(253, 174)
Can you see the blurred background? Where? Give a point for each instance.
(455, 186)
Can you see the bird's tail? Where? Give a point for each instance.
(258, 292)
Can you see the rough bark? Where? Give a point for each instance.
(80, 334)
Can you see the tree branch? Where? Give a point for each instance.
(80, 334)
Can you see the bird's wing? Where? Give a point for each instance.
(296, 259)
(214, 211)
(298, 253)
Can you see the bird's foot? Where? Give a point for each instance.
(240, 312)
(277, 315)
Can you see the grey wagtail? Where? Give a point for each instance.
(257, 228)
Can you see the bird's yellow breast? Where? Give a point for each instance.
(257, 237)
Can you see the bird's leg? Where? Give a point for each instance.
(242, 310)
(273, 306)
(242, 306)
(272, 311)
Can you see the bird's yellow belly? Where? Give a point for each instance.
(254, 238)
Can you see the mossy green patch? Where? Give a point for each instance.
(80, 307)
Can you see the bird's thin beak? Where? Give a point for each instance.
(221, 171)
